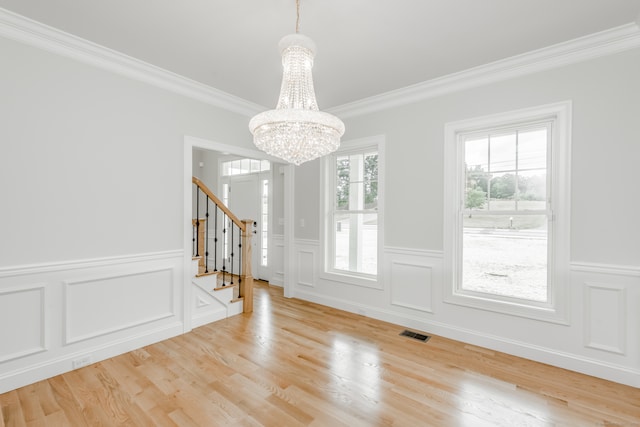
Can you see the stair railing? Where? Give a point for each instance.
(228, 232)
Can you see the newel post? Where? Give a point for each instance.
(246, 276)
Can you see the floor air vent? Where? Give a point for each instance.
(415, 336)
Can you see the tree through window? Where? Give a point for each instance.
(354, 216)
(505, 229)
(507, 212)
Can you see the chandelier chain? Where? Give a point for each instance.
(297, 16)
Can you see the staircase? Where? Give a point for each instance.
(222, 284)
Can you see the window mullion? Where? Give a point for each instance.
(517, 189)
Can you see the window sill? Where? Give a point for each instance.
(514, 308)
(355, 279)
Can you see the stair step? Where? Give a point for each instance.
(237, 300)
(220, 288)
(211, 273)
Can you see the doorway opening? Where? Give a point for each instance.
(244, 184)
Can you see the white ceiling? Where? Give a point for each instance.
(365, 47)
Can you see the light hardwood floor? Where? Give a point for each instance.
(293, 363)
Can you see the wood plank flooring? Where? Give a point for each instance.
(293, 363)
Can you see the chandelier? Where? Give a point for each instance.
(296, 131)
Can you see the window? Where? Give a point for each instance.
(264, 208)
(244, 166)
(505, 232)
(506, 220)
(352, 205)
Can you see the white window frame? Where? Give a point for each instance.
(327, 169)
(556, 308)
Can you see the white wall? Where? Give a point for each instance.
(605, 254)
(208, 172)
(91, 185)
(307, 199)
(90, 161)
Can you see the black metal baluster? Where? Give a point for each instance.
(224, 244)
(193, 240)
(215, 241)
(232, 228)
(206, 239)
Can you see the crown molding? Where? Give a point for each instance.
(28, 31)
(34, 33)
(595, 45)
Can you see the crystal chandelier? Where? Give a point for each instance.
(296, 131)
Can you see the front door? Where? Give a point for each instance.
(245, 200)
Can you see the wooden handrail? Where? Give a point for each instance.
(245, 278)
(219, 203)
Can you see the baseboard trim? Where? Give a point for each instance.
(209, 317)
(572, 362)
(276, 281)
(41, 371)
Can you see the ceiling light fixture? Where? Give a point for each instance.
(296, 131)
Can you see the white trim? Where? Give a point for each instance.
(595, 45)
(17, 27)
(187, 233)
(572, 362)
(59, 365)
(307, 242)
(233, 150)
(67, 284)
(44, 333)
(50, 267)
(621, 312)
(277, 275)
(610, 269)
(326, 181)
(288, 254)
(393, 300)
(33, 33)
(313, 267)
(557, 309)
(414, 252)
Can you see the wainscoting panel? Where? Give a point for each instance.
(605, 317)
(306, 267)
(99, 306)
(413, 276)
(306, 253)
(600, 339)
(22, 314)
(411, 286)
(276, 258)
(206, 308)
(57, 317)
